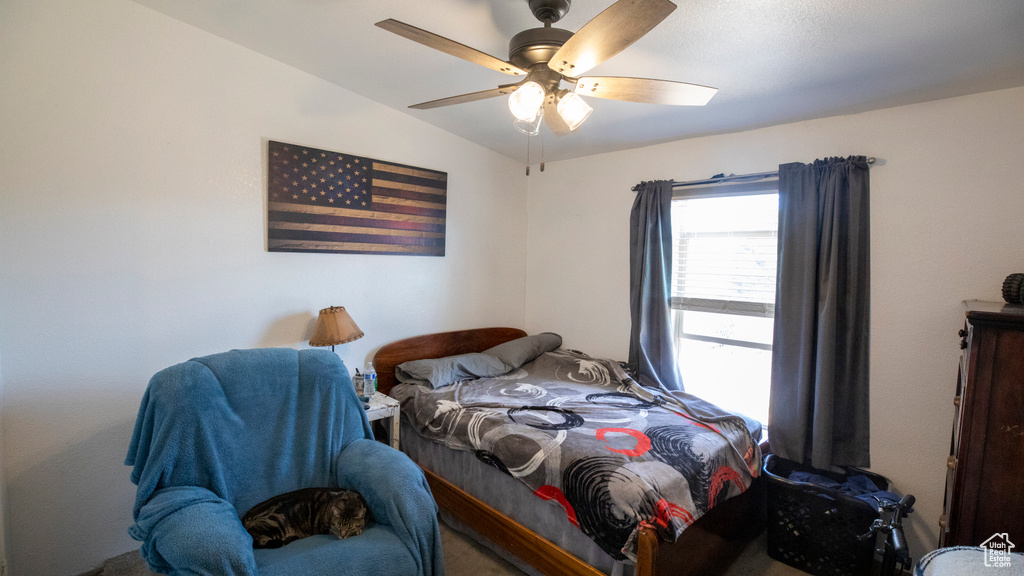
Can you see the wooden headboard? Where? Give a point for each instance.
(436, 346)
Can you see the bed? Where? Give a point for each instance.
(539, 536)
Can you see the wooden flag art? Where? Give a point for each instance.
(322, 201)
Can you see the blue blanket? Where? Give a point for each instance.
(219, 434)
(858, 485)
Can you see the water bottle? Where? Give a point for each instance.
(369, 379)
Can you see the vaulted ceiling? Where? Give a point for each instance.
(772, 61)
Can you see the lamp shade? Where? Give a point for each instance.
(334, 326)
(526, 101)
(573, 109)
(531, 127)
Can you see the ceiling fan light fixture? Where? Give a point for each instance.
(573, 109)
(548, 56)
(526, 101)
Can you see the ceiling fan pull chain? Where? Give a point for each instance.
(541, 151)
(527, 154)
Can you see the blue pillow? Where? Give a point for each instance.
(437, 372)
(515, 353)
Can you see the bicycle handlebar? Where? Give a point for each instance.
(899, 543)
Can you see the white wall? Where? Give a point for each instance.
(947, 199)
(132, 224)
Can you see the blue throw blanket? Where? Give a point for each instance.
(858, 485)
(219, 434)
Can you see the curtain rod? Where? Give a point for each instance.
(738, 178)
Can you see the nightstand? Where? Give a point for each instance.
(384, 407)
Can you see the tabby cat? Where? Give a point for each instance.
(288, 517)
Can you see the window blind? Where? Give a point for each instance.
(725, 249)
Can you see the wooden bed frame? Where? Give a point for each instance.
(707, 547)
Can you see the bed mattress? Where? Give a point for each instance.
(582, 454)
(506, 495)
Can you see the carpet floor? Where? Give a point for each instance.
(465, 557)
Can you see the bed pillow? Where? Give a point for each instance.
(437, 372)
(515, 353)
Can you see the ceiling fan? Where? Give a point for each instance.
(547, 56)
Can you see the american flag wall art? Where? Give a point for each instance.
(323, 201)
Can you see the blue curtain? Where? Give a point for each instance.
(651, 351)
(818, 409)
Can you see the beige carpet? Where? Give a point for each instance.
(464, 557)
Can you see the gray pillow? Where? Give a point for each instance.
(437, 372)
(515, 353)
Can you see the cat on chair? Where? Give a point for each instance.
(289, 517)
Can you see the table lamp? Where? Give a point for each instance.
(334, 326)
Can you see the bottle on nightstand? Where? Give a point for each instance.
(369, 379)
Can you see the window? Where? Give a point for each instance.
(723, 293)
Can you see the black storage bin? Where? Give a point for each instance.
(815, 529)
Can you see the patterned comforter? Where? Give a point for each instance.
(579, 432)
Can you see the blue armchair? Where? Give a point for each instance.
(219, 434)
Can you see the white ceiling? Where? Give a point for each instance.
(773, 61)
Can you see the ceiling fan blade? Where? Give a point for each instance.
(609, 33)
(555, 123)
(463, 98)
(452, 47)
(645, 90)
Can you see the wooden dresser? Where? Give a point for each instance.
(985, 476)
